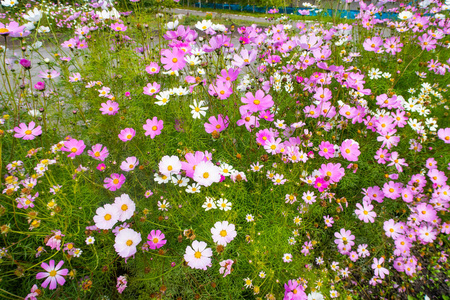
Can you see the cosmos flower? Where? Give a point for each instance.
(198, 256)
(153, 127)
(54, 274)
(126, 241)
(29, 132)
(115, 182)
(223, 233)
(156, 239)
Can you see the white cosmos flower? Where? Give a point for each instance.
(198, 110)
(33, 15)
(206, 173)
(223, 233)
(198, 256)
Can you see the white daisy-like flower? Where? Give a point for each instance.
(198, 256)
(209, 204)
(223, 233)
(223, 204)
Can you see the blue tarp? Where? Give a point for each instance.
(347, 14)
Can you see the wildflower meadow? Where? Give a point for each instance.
(147, 155)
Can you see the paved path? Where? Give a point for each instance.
(224, 15)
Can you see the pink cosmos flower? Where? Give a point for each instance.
(153, 127)
(53, 274)
(365, 213)
(245, 58)
(437, 177)
(350, 150)
(382, 156)
(49, 74)
(55, 241)
(332, 173)
(115, 182)
(11, 28)
(27, 132)
(118, 27)
(225, 267)
(326, 149)
(249, 121)
(153, 68)
(192, 160)
(444, 134)
(129, 164)
(127, 134)
(392, 190)
(344, 237)
(373, 44)
(216, 124)
(152, 89)
(426, 212)
(98, 152)
(328, 221)
(396, 161)
(222, 89)
(173, 60)
(109, 108)
(323, 94)
(156, 239)
(259, 102)
(392, 229)
(393, 45)
(34, 293)
(378, 269)
(427, 42)
(75, 147)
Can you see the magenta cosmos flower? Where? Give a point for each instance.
(156, 239)
(127, 134)
(115, 182)
(173, 60)
(75, 147)
(259, 102)
(27, 132)
(216, 124)
(53, 274)
(109, 108)
(153, 127)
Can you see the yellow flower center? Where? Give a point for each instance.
(197, 254)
